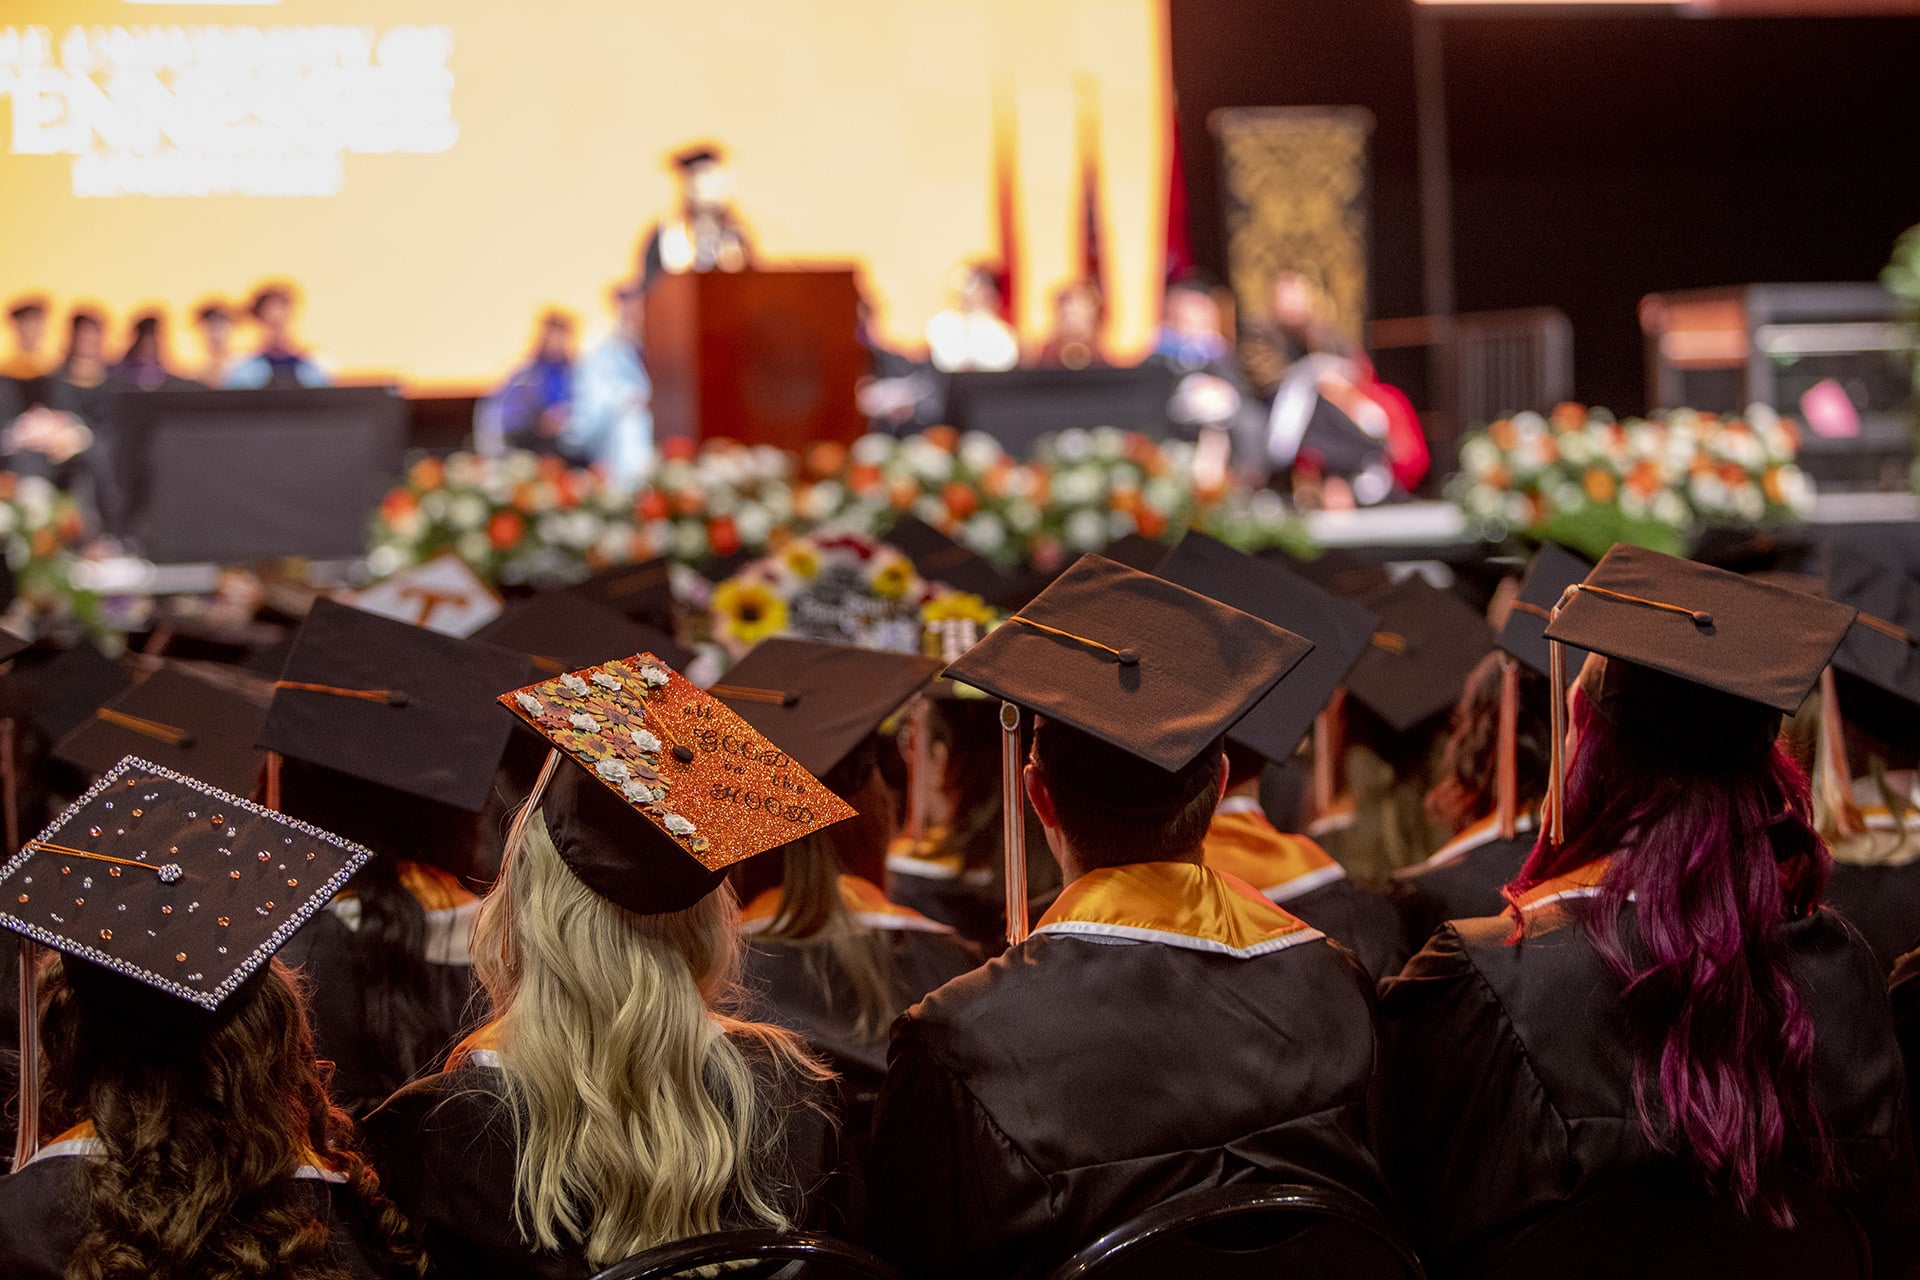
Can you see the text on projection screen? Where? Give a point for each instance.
(225, 110)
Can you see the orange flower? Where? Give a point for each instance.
(864, 478)
(428, 473)
(9, 484)
(1644, 479)
(652, 505)
(825, 458)
(44, 542)
(1598, 484)
(679, 448)
(1568, 416)
(722, 536)
(946, 437)
(1732, 474)
(688, 501)
(1770, 485)
(550, 467)
(1152, 523)
(523, 497)
(902, 493)
(505, 529)
(70, 525)
(394, 506)
(566, 488)
(1502, 433)
(961, 500)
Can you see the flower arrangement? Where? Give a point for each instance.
(1580, 478)
(40, 531)
(843, 588)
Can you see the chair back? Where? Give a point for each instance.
(800, 1255)
(1647, 1230)
(1244, 1231)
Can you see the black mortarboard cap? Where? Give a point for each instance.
(1428, 642)
(1345, 574)
(1880, 646)
(1135, 551)
(1551, 571)
(1149, 667)
(176, 720)
(938, 558)
(1340, 633)
(658, 787)
(11, 645)
(642, 591)
(68, 687)
(395, 705)
(561, 631)
(818, 702)
(699, 153)
(162, 878)
(1750, 640)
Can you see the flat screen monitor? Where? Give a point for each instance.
(237, 477)
(1019, 406)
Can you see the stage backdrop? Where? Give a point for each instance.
(432, 172)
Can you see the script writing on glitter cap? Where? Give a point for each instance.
(695, 770)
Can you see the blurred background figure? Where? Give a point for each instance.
(706, 233)
(970, 334)
(27, 317)
(530, 410)
(900, 395)
(1211, 402)
(144, 366)
(280, 362)
(610, 421)
(214, 320)
(1079, 315)
(79, 384)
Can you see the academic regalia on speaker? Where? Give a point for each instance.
(1513, 1044)
(1011, 1129)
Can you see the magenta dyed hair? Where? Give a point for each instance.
(1717, 863)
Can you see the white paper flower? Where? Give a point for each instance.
(573, 684)
(613, 771)
(677, 825)
(611, 683)
(654, 676)
(530, 704)
(584, 722)
(637, 793)
(646, 741)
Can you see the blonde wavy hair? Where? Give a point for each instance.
(639, 1116)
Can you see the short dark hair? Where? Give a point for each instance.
(266, 294)
(1114, 808)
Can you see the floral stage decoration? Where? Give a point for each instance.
(40, 530)
(1579, 478)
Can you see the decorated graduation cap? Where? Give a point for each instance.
(175, 720)
(654, 788)
(938, 558)
(641, 591)
(817, 701)
(164, 879)
(1428, 642)
(1138, 662)
(1522, 640)
(394, 705)
(1702, 663)
(562, 632)
(443, 594)
(1339, 631)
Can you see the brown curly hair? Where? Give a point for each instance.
(204, 1119)
(1465, 792)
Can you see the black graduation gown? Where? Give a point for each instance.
(445, 1150)
(1513, 1091)
(365, 1072)
(1079, 1079)
(1903, 992)
(1462, 880)
(43, 1216)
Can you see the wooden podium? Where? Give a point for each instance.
(763, 357)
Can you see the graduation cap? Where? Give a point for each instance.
(1339, 631)
(1429, 641)
(655, 788)
(1523, 635)
(394, 705)
(1148, 667)
(177, 721)
(1135, 551)
(642, 591)
(698, 154)
(938, 558)
(818, 702)
(11, 645)
(561, 632)
(1702, 663)
(68, 687)
(1880, 647)
(178, 884)
(443, 594)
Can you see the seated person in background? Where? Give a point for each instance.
(27, 318)
(617, 1101)
(388, 962)
(144, 366)
(280, 361)
(1079, 313)
(831, 956)
(1489, 805)
(706, 235)
(971, 333)
(1665, 1004)
(1211, 402)
(1165, 1028)
(610, 422)
(531, 409)
(215, 323)
(186, 1131)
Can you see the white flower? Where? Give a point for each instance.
(1085, 531)
(654, 676)
(1072, 445)
(613, 771)
(978, 451)
(1120, 524)
(610, 683)
(530, 704)
(381, 561)
(474, 547)
(573, 684)
(433, 506)
(637, 793)
(985, 533)
(584, 722)
(872, 449)
(646, 742)
(753, 524)
(677, 825)
(820, 501)
(1669, 508)
(929, 508)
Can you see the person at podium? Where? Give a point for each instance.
(611, 421)
(706, 234)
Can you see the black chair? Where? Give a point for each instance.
(1653, 1230)
(798, 1254)
(1245, 1231)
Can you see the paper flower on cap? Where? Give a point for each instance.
(574, 684)
(530, 704)
(584, 722)
(646, 742)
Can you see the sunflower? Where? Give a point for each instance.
(891, 577)
(749, 611)
(802, 560)
(957, 605)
